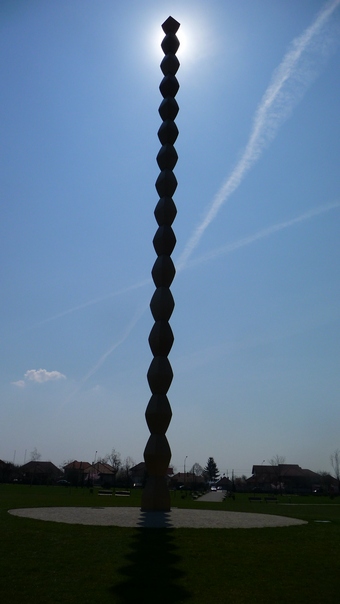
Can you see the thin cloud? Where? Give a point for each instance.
(232, 247)
(290, 80)
(19, 383)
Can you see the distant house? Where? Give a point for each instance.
(83, 473)
(138, 474)
(187, 480)
(40, 472)
(225, 484)
(101, 473)
(76, 472)
(288, 478)
(76, 465)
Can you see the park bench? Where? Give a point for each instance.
(254, 499)
(122, 493)
(103, 492)
(270, 499)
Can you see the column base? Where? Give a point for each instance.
(156, 495)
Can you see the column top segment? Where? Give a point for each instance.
(170, 26)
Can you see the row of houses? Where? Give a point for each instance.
(283, 478)
(45, 472)
(76, 473)
(81, 472)
(290, 478)
(33, 472)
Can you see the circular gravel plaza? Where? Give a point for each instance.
(135, 518)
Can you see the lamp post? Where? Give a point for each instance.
(157, 453)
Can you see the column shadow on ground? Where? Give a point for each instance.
(152, 572)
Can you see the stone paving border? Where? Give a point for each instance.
(133, 517)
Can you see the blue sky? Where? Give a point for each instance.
(256, 322)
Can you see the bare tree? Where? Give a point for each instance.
(112, 458)
(335, 461)
(240, 483)
(276, 462)
(123, 474)
(35, 455)
(197, 470)
(104, 459)
(325, 481)
(128, 463)
(115, 460)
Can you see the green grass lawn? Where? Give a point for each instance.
(47, 562)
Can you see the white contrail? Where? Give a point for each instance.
(69, 311)
(117, 343)
(232, 247)
(289, 82)
(226, 249)
(113, 347)
(277, 103)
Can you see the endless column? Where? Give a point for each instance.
(157, 453)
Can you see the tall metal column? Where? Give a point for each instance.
(157, 453)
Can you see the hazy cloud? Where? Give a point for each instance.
(19, 383)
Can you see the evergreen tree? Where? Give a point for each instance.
(211, 470)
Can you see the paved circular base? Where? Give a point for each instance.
(177, 518)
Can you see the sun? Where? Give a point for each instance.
(195, 36)
(186, 41)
